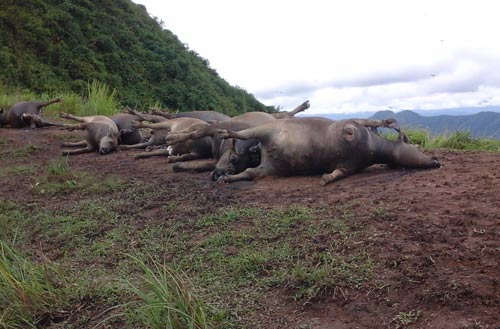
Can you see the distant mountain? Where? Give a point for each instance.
(458, 111)
(482, 124)
(449, 111)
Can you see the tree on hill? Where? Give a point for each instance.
(53, 45)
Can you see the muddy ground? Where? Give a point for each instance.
(434, 234)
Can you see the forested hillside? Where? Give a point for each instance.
(49, 46)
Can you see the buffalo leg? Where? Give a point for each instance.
(255, 132)
(144, 155)
(74, 144)
(137, 146)
(81, 126)
(166, 115)
(266, 168)
(36, 121)
(176, 138)
(157, 125)
(247, 174)
(71, 117)
(302, 107)
(142, 116)
(78, 151)
(335, 175)
(388, 123)
(196, 167)
(183, 157)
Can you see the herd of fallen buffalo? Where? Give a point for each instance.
(250, 145)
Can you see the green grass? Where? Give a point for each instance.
(259, 247)
(24, 151)
(404, 319)
(234, 257)
(99, 99)
(17, 170)
(60, 178)
(29, 293)
(167, 299)
(460, 140)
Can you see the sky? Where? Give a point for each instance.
(346, 56)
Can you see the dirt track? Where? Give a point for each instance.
(436, 233)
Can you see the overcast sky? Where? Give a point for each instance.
(346, 56)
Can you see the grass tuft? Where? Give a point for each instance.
(29, 293)
(404, 319)
(167, 299)
(459, 140)
(100, 100)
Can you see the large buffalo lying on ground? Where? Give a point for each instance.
(26, 114)
(102, 134)
(231, 156)
(187, 150)
(313, 145)
(156, 138)
(129, 135)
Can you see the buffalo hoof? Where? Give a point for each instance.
(325, 179)
(223, 133)
(436, 164)
(223, 180)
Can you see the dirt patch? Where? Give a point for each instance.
(434, 235)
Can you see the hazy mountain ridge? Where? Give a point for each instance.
(482, 124)
(480, 121)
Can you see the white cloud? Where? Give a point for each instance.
(346, 55)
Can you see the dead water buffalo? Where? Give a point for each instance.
(311, 145)
(156, 138)
(207, 116)
(231, 156)
(188, 150)
(102, 134)
(129, 135)
(26, 114)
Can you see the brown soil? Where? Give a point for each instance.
(438, 247)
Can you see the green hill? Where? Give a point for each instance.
(49, 46)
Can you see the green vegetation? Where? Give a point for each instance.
(29, 293)
(460, 140)
(167, 298)
(233, 257)
(25, 151)
(17, 170)
(99, 99)
(404, 319)
(49, 47)
(60, 178)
